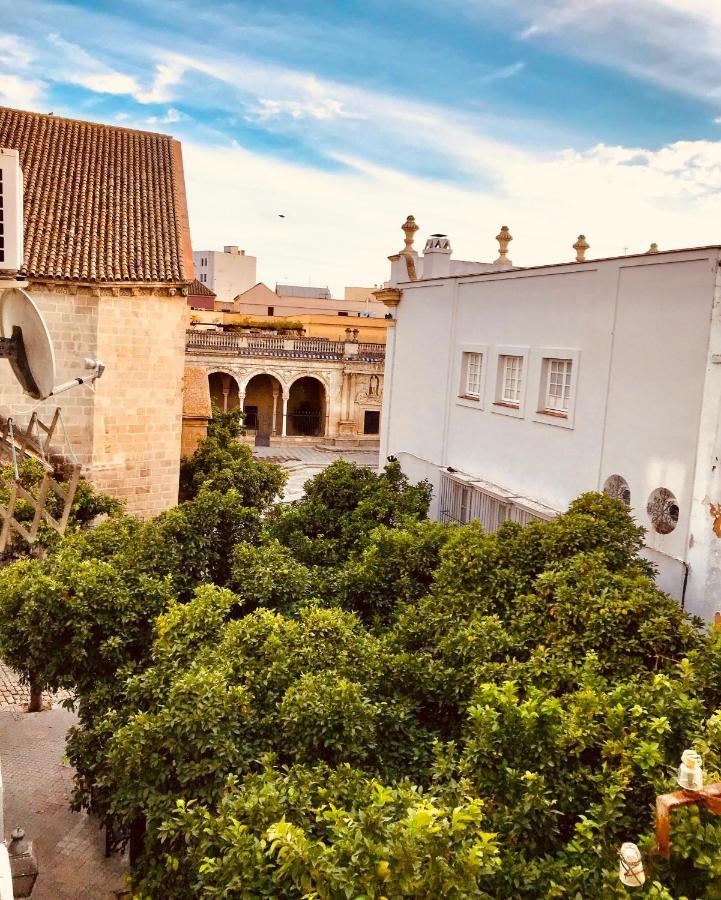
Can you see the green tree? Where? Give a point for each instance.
(222, 463)
(342, 505)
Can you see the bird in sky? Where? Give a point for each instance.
(281, 215)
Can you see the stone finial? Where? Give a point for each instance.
(580, 247)
(504, 238)
(409, 229)
(653, 248)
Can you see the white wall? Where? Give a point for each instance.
(227, 274)
(638, 331)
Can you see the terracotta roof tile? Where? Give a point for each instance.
(198, 289)
(101, 203)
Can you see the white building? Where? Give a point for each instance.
(227, 274)
(514, 390)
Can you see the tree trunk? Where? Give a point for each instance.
(137, 840)
(36, 698)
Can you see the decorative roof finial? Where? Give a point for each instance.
(504, 238)
(580, 247)
(409, 229)
(653, 248)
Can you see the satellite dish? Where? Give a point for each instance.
(34, 359)
(25, 342)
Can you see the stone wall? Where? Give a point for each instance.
(126, 432)
(138, 414)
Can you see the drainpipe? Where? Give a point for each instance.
(686, 568)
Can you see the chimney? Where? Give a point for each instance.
(11, 212)
(437, 257)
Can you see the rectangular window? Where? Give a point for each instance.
(558, 385)
(512, 379)
(271, 310)
(471, 386)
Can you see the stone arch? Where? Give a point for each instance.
(296, 376)
(307, 407)
(224, 389)
(261, 370)
(263, 394)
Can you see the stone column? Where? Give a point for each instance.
(226, 392)
(273, 429)
(284, 432)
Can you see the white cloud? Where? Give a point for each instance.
(74, 65)
(14, 52)
(167, 76)
(22, 93)
(504, 72)
(674, 43)
(170, 117)
(321, 110)
(620, 197)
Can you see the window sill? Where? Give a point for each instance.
(506, 405)
(474, 397)
(555, 413)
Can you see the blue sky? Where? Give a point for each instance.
(553, 116)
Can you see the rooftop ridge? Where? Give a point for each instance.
(91, 124)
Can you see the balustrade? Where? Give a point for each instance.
(237, 344)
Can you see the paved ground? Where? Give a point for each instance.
(303, 462)
(306, 453)
(37, 785)
(16, 695)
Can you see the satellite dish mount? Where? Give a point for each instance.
(25, 342)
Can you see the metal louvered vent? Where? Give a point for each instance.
(11, 211)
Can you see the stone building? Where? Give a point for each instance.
(541, 383)
(301, 389)
(107, 258)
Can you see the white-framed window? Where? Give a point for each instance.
(472, 368)
(511, 379)
(558, 369)
(558, 385)
(510, 364)
(471, 375)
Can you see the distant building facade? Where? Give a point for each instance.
(292, 389)
(541, 383)
(200, 297)
(290, 301)
(226, 273)
(107, 258)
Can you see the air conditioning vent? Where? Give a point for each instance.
(11, 211)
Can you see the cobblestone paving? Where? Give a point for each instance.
(288, 453)
(16, 696)
(37, 784)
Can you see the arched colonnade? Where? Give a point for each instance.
(273, 406)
